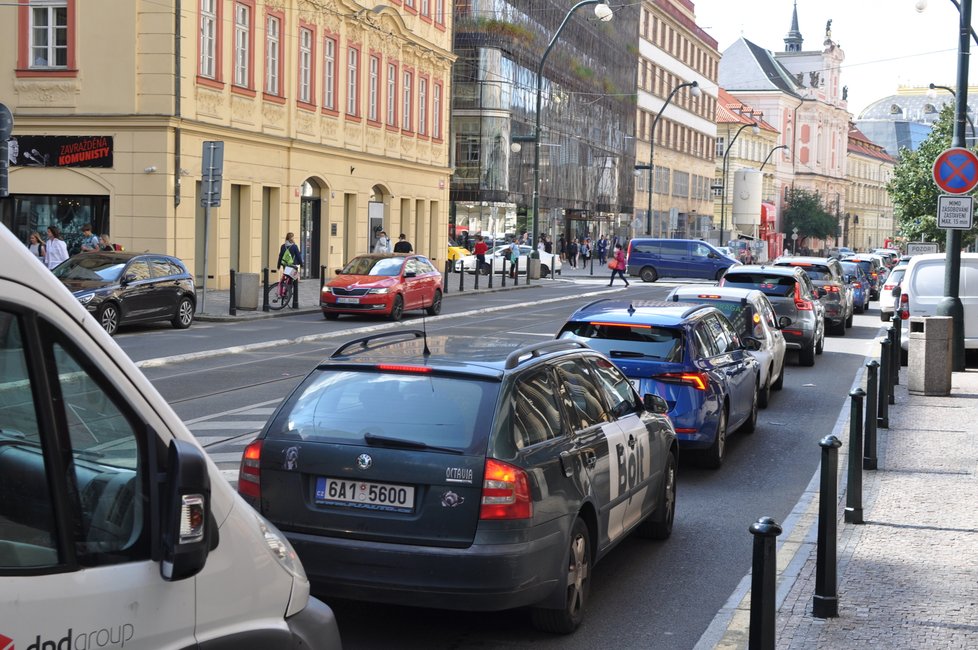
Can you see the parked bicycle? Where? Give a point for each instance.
(280, 294)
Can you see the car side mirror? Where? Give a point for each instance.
(751, 344)
(713, 256)
(339, 271)
(410, 274)
(186, 512)
(896, 291)
(784, 322)
(654, 403)
(128, 278)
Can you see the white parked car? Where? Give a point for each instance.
(890, 289)
(496, 256)
(753, 316)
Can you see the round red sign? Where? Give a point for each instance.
(956, 170)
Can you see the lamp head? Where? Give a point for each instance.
(755, 129)
(694, 89)
(920, 5)
(516, 147)
(603, 12)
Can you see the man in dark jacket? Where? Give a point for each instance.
(403, 245)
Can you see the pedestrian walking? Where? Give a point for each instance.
(89, 242)
(382, 245)
(55, 249)
(562, 248)
(548, 246)
(514, 255)
(602, 249)
(403, 245)
(572, 253)
(36, 245)
(586, 250)
(105, 244)
(619, 265)
(480, 252)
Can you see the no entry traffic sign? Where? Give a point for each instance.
(956, 170)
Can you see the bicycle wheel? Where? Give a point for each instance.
(279, 297)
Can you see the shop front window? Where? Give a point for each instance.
(27, 213)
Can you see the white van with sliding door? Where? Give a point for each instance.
(922, 289)
(116, 530)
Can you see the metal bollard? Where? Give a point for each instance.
(894, 366)
(461, 278)
(264, 293)
(478, 272)
(295, 292)
(492, 269)
(232, 307)
(763, 584)
(898, 335)
(322, 281)
(854, 488)
(883, 417)
(825, 603)
(504, 271)
(444, 277)
(869, 455)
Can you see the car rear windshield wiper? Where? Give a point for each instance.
(384, 441)
(630, 354)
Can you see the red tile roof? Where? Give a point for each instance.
(732, 110)
(860, 144)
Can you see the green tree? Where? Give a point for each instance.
(803, 210)
(913, 190)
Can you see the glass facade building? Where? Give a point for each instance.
(587, 119)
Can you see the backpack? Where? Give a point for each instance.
(287, 259)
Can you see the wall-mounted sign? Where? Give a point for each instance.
(60, 150)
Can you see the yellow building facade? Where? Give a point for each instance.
(333, 118)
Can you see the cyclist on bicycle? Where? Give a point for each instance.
(288, 254)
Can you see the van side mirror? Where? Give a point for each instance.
(713, 256)
(654, 403)
(128, 278)
(784, 322)
(186, 512)
(752, 344)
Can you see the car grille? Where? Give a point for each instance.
(343, 291)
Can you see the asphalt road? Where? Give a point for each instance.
(644, 594)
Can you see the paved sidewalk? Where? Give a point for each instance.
(908, 577)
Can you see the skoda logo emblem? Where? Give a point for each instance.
(364, 461)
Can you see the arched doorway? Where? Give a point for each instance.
(379, 215)
(310, 236)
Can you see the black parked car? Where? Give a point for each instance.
(122, 288)
(461, 473)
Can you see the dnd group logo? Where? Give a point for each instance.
(6, 643)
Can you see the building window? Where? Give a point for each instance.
(49, 46)
(406, 100)
(373, 88)
(440, 12)
(392, 94)
(305, 65)
(422, 105)
(409, 4)
(242, 45)
(352, 80)
(208, 38)
(425, 7)
(329, 73)
(273, 55)
(436, 112)
(718, 186)
(720, 146)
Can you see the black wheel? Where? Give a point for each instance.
(713, 457)
(659, 523)
(435, 307)
(840, 329)
(860, 308)
(276, 301)
(108, 317)
(885, 316)
(484, 269)
(397, 309)
(544, 271)
(185, 314)
(330, 315)
(779, 384)
(750, 425)
(579, 562)
(764, 395)
(648, 274)
(719, 275)
(849, 320)
(806, 356)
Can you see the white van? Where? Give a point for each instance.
(116, 530)
(922, 289)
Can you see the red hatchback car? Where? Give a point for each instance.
(385, 284)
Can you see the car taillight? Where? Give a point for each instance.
(857, 285)
(888, 287)
(904, 306)
(249, 479)
(874, 275)
(800, 303)
(505, 492)
(697, 380)
(831, 288)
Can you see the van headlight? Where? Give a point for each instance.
(280, 548)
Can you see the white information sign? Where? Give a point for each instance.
(922, 248)
(955, 212)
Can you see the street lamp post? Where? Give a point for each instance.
(695, 92)
(771, 152)
(603, 13)
(951, 305)
(955, 95)
(723, 195)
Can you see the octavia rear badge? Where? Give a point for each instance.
(364, 461)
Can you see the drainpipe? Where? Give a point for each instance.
(176, 107)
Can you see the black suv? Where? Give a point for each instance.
(459, 473)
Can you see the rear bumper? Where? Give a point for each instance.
(315, 627)
(481, 577)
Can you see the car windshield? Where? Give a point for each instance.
(851, 268)
(100, 268)
(739, 315)
(771, 285)
(895, 276)
(817, 272)
(625, 340)
(336, 405)
(867, 265)
(388, 266)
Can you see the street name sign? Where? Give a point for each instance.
(922, 247)
(955, 212)
(956, 170)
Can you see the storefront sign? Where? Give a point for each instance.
(60, 150)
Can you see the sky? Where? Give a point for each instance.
(887, 43)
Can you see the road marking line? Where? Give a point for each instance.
(223, 424)
(238, 411)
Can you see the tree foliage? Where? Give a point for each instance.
(803, 210)
(913, 190)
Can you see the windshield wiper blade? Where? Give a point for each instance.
(627, 353)
(384, 441)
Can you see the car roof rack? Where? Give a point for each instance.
(537, 349)
(365, 342)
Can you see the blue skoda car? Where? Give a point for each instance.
(687, 354)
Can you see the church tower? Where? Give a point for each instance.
(792, 42)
